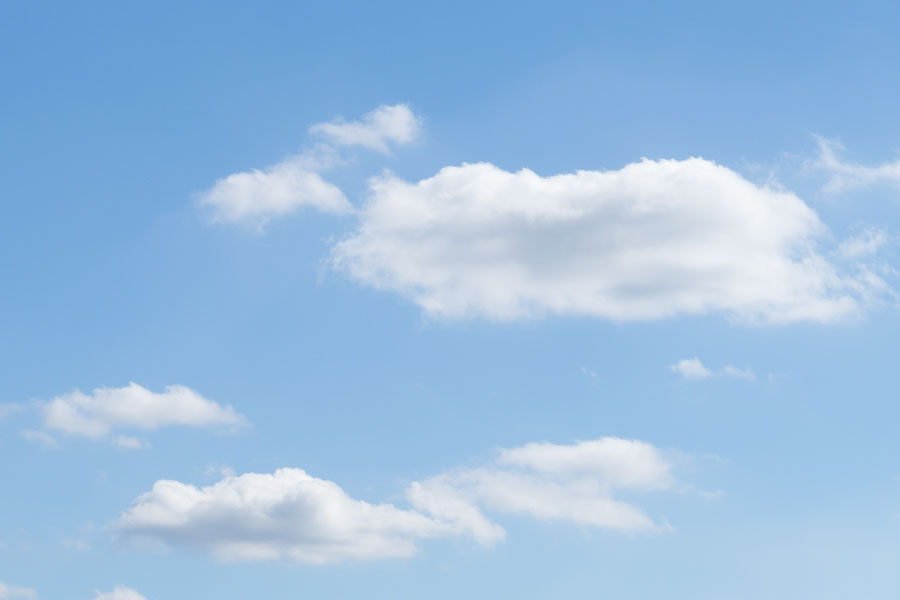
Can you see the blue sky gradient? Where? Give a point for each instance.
(116, 117)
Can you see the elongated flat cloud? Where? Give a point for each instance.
(377, 130)
(255, 197)
(9, 592)
(846, 175)
(291, 515)
(120, 593)
(133, 407)
(651, 240)
(693, 368)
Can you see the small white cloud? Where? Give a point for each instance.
(378, 129)
(106, 410)
(693, 368)
(845, 175)
(9, 592)
(255, 197)
(120, 593)
(655, 239)
(745, 373)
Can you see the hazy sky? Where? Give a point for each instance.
(467, 300)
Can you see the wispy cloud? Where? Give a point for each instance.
(120, 593)
(845, 175)
(694, 369)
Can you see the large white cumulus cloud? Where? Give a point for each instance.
(656, 238)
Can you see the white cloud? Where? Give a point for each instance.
(866, 243)
(255, 197)
(650, 240)
(693, 368)
(573, 483)
(9, 592)
(377, 129)
(290, 515)
(120, 593)
(286, 515)
(106, 410)
(845, 175)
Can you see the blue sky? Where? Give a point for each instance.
(479, 301)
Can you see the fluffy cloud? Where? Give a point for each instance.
(376, 130)
(693, 368)
(290, 515)
(259, 195)
(651, 240)
(286, 515)
(105, 410)
(120, 593)
(254, 197)
(9, 592)
(845, 175)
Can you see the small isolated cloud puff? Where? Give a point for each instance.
(286, 515)
(691, 368)
(257, 196)
(651, 240)
(290, 515)
(385, 125)
(694, 369)
(9, 592)
(120, 593)
(845, 176)
(97, 415)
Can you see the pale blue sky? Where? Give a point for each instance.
(117, 121)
